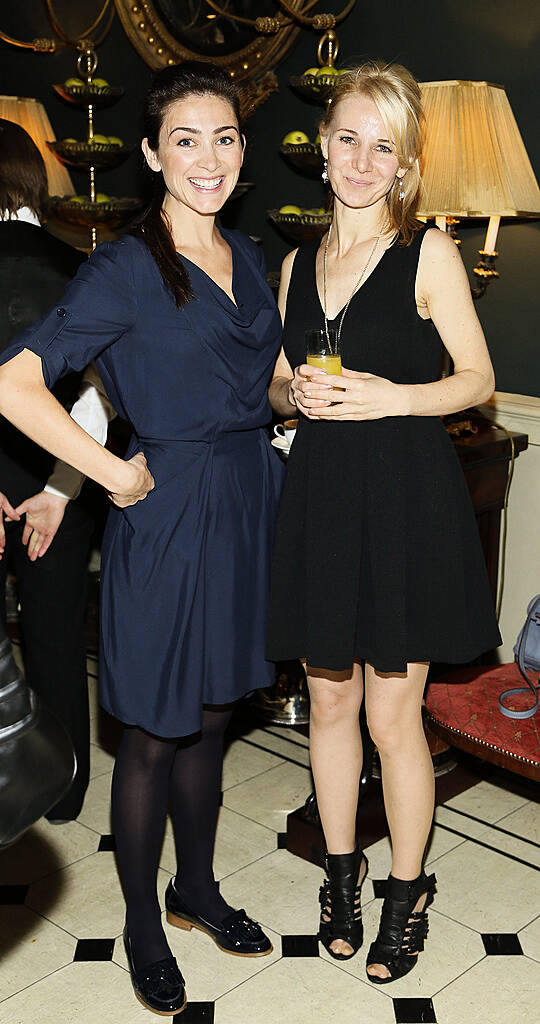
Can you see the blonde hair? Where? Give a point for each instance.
(397, 95)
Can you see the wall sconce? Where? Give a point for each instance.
(474, 164)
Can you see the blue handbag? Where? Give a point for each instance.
(527, 655)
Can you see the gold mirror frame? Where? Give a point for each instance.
(151, 38)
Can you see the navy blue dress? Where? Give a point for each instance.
(184, 572)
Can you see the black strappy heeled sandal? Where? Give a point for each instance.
(339, 896)
(402, 930)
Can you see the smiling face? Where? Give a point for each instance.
(362, 163)
(199, 153)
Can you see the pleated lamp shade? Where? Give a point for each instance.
(474, 162)
(30, 114)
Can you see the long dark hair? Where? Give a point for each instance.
(176, 82)
(23, 178)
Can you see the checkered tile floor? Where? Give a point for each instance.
(61, 911)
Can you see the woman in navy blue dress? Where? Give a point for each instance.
(185, 333)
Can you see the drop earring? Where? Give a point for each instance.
(401, 190)
(324, 174)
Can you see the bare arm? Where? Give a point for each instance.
(26, 402)
(279, 392)
(443, 289)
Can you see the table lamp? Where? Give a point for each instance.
(474, 163)
(31, 115)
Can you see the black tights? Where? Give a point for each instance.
(150, 774)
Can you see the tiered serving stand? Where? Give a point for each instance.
(91, 156)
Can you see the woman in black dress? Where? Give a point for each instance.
(185, 332)
(377, 555)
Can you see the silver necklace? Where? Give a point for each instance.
(355, 289)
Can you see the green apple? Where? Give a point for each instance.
(100, 83)
(101, 139)
(78, 199)
(316, 212)
(291, 209)
(115, 141)
(72, 83)
(102, 198)
(311, 71)
(327, 70)
(295, 139)
(72, 142)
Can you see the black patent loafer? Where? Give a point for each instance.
(159, 986)
(237, 933)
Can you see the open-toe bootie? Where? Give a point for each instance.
(339, 896)
(402, 929)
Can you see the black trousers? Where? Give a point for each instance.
(52, 595)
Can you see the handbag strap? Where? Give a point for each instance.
(529, 712)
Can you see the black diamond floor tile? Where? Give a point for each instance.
(299, 945)
(282, 841)
(196, 1013)
(379, 888)
(107, 843)
(502, 944)
(13, 893)
(414, 1011)
(94, 949)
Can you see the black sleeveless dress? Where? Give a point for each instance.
(377, 553)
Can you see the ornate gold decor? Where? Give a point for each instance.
(95, 34)
(161, 38)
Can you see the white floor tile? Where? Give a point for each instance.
(281, 891)
(96, 811)
(81, 993)
(302, 991)
(485, 890)
(500, 989)
(86, 898)
(242, 762)
(487, 801)
(282, 741)
(101, 762)
(269, 798)
(530, 939)
(44, 849)
(30, 949)
(239, 842)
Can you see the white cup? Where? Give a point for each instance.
(286, 430)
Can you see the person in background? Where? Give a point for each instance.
(376, 535)
(44, 531)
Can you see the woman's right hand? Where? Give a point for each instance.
(139, 482)
(299, 390)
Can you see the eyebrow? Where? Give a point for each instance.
(351, 131)
(197, 131)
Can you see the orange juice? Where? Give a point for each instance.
(332, 364)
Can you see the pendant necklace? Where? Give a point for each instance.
(355, 289)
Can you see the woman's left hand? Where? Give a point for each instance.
(363, 396)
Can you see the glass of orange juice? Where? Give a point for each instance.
(323, 350)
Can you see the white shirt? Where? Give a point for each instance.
(92, 410)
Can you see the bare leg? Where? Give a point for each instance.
(394, 715)
(336, 756)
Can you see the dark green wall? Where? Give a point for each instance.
(490, 39)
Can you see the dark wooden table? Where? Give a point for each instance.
(485, 457)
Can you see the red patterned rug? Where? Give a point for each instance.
(465, 703)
